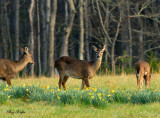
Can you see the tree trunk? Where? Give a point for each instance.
(8, 35)
(130, 34)
(141, 43)
(38, 41)
(44, 44)
(86, 31)
(31, 9)
(3, 28)
(81, 44)
(106, 23)
(64, 46)
(115, 39)
(17, 30)
(52, 38)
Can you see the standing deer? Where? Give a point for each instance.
(79, 69)
(142, 71)
(8, 68)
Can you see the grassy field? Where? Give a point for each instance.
(22, 107)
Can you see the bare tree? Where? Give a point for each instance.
(31, 9)
(130, 33)
(141, 43)
(3, 32)
(45, 23)
(86, 19)
(38, 41)
(81, 44)
(17, 30)
(113, 39)
(52, 38)
(64, 47)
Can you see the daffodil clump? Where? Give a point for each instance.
(89, 96)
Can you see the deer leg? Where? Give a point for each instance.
(147, 82)
(145, 78)
(8, 81)
(137, 75)
(64, 82)
(60, 80)
(83, 83)
(87, 82)
(137, 80)
(141, 82)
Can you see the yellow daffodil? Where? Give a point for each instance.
(92, 97)
(24, 85)
(99, 94)
(112, 91)
(27, 100)
(48, 87)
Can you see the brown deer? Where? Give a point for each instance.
(142, 71)
(79, 69)
(8, 68)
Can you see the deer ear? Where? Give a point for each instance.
(104, 47)
(21, 49)
(26, 50)
(94, 47)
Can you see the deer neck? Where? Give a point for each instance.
(21, 64)
(96, 64)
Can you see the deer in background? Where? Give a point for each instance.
(142, 71)
(8, 68)
(79, 69)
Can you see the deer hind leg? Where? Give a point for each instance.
(137, 75)
(83, 83)
(140, 82)
(61, 76)
(145, 78)
(64, 81)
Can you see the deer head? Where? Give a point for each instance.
(99, 52)
(27, 55)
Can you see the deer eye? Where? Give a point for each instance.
(101, 52)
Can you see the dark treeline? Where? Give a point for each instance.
(54, 28)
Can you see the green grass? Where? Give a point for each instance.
(45, 110)
(109, 96)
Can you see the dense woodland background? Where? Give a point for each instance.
(53, 28)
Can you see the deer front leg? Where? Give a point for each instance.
(83, 83)
(8, 81)
(86, 80)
